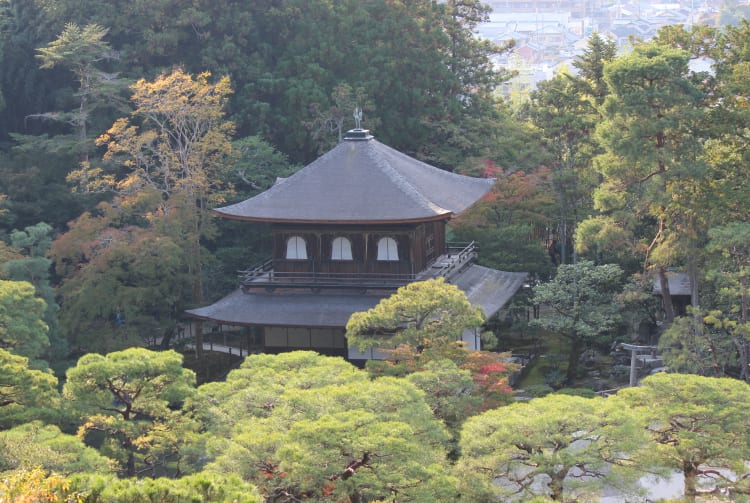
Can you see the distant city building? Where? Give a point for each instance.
(578, 8)
(549, 34)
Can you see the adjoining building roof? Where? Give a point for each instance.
(362, 181)
(679, 283)
(489, 288)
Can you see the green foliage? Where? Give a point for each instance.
(503, 222)
(422, 313)
(34, 243)
(671, 151)
(423, 322)
(603, 239)
(24, 26)
(698, 425)
(76, 47)
(538, 390)
(582, 392)
(716, 342)
(540, 448)
(555, 378)
(255, 388)
(652, 163)
(690, 345)
(590, 66)
(566, 117)
(449, 391)
(508, 248)
(195, 488)
(429, 78)
(22, 330)
(729, 270)
(581, 299)
(33, 445)
(123, 284)
(35, 183)
(132, 397)
(81, 50)
(329, 125)
(25, 394)
(257, 166)
(313, 427)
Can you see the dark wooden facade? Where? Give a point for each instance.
(418, 246)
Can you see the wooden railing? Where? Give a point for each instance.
(458, 256)
(248, 275)
(316, 280)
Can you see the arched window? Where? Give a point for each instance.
(387, 249)
(296, 248)
(341, 249)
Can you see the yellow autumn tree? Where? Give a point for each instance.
(35, 485)
(175, 145)
(176, 141)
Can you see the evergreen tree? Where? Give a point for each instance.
(651, 165)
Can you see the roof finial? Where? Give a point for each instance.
(358, 117)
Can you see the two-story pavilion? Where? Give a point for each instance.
(348, 230)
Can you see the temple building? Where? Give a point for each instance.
(348, 230)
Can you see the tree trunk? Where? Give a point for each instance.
(556, 485)
(576, 348)
(130, 470)
(666, 296)
(742, 350)
(741, 342)
(690, 473)
(662, 271)
(695, 299)
(197, 272)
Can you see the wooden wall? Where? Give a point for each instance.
(418, 245)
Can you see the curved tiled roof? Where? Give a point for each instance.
(362, 180)
(287, 308)
(488, 288)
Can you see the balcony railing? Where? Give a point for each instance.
(457, 257)
(318, 280)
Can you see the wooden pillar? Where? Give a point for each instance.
(633, 367)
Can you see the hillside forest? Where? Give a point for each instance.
(123, 123)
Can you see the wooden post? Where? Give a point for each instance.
(634, 351)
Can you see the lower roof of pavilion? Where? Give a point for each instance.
(293, 307)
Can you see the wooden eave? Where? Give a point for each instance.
(435, 218)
